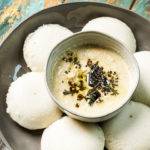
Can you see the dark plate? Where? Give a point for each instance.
(74, 16)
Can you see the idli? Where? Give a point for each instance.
(142, 92)
(29, 104)
(115, 28)
(39, 44)
(69, 134)
(130, 129)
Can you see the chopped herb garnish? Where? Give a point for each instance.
(80, 97)
(100, 81)
(92, 96)
(103, 81)
(130, 116)
(70, 59)
(89, 62)
(114, 92)
(77, 105)
(65, 92)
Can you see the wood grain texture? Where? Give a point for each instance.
(120, 3)
(12, 12)
(142, 7)
(49, 3)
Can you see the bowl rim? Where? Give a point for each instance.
(73, 3)
(68, 110)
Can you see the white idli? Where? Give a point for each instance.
(39, 44)
(115, 28)
(142, 92)
(69, 134)
(130, 130)
(29, 104)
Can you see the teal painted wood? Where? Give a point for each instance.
(34, 6)
(31, 9)
(5, 3)
(142, 7)
(4, 27)
(120, 3)
(24, 10)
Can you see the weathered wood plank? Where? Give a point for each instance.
(49, 3)
(142, 7)
(13, 12)
(120, 3)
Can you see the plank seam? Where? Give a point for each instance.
(133, 4)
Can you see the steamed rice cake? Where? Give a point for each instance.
(29, 104)
(70, 134)
(142, 92)
(39, 44)
(115, 28)
(130, 129)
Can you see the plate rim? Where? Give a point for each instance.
(63, 5)
(72, 3)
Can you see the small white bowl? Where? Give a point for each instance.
(103, 41)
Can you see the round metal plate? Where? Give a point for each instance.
(73, 16)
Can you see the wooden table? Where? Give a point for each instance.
(12, 12)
